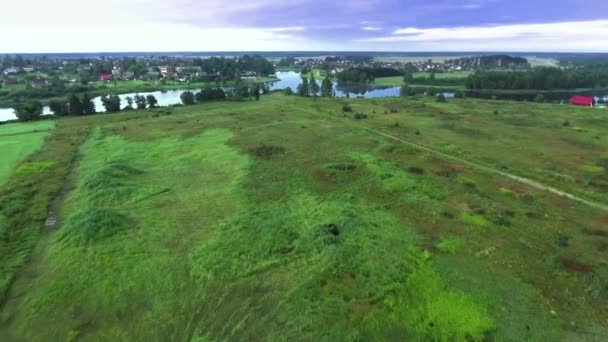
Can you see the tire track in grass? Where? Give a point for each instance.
(526, 181)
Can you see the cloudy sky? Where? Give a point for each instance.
(262, 25)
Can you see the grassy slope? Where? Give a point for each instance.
(17, 141)
(280, 219)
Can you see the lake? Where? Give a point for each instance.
(292, 79)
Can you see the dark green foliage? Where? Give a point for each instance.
(152, 101)
(303, 88)
(540, 98)
(256, 92)
(313, 86)
(405, 91)
(288, 91)
(129, 103)
(111, 103)
(75, 105)
(356, 75)
(140, 101)
(59, 108)
(327, 87)
(459, 94)
(188, 98)
(441, 98)
(88, 106)
(210, 94)
(540, 78)
(28, 111)
(346, 108)
(93, 225)
(360, 116)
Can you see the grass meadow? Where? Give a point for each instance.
(17, 141)
(288, 218)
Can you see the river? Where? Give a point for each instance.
(292, 79)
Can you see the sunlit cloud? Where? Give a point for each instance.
(212, 25)
(587, 35)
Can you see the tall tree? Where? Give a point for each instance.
(129, 103)
(152, 101)
(59, 108)
(327, 87)
(111, 103)
(313, 86)
(187, 98)
(303, 87)
(88, 106)
(140, 101)
(28, 111)
(256, 92)
(75, 105)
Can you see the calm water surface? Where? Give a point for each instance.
(293, 79)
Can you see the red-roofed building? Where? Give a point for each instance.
(585, 101)
(105, 77)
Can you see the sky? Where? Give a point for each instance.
(39, 26)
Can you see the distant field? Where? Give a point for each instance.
(19, 140)
(289, 219)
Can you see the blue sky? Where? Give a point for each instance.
(382, 25)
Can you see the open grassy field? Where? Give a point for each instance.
(17, 141)
(288, 218)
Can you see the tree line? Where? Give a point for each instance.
(544, 78)
(310, 87)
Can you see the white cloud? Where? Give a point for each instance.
(371, 28)
(560, 36)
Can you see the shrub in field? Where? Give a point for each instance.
(346, 108)
(93, 224)
(360, 116)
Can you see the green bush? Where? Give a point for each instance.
(346, 108)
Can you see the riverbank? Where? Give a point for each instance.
(15, 93)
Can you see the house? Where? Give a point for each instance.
(105, 77)
(584, 101)
(116, 73)
(38, 82)
(29, 68)
(128, 75)
(11, 70)
(167, 71)
(11, 81)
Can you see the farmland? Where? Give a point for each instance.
(288, 218)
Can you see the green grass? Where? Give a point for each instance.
(284, 219)
(17, 141)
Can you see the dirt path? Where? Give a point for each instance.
(529, 182)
